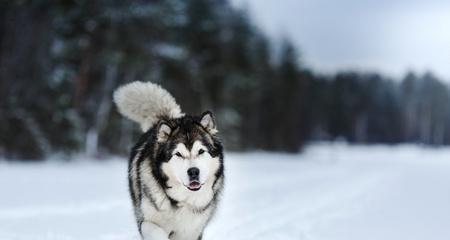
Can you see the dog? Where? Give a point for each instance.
(176, 170)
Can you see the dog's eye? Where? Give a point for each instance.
(201, 151)
(178, 154)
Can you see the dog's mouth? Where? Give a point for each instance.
(194, 185)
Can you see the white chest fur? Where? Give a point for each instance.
(182, 223)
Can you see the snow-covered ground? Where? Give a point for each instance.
(332, 191)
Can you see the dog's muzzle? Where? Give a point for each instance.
(194, 183)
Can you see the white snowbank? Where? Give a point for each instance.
(331, 191)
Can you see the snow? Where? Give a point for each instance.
(331, 191)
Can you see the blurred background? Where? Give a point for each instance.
(335, 115)
(276, 75)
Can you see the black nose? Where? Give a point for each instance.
(193, 173)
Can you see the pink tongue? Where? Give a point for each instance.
(194, 184)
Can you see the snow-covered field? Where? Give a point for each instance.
(329, 192)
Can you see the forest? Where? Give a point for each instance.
(61, 60)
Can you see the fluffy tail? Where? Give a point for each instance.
(146, 103)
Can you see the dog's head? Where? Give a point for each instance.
(188, 153)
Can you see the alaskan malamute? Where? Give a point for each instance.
(176, 169)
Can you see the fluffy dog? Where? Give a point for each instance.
(176, 169)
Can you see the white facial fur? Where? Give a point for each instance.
(176, 168)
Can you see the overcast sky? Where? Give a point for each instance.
(390, 36)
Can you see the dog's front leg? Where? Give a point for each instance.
(151, 231)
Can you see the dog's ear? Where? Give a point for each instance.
(208, 122)
(163, 131)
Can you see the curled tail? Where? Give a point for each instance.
(146, 103)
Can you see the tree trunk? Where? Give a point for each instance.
(102, 113)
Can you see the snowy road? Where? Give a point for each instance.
(330, 192)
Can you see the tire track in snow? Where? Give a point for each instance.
(71, 209)
(320, 196)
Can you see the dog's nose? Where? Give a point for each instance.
(193, 172)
